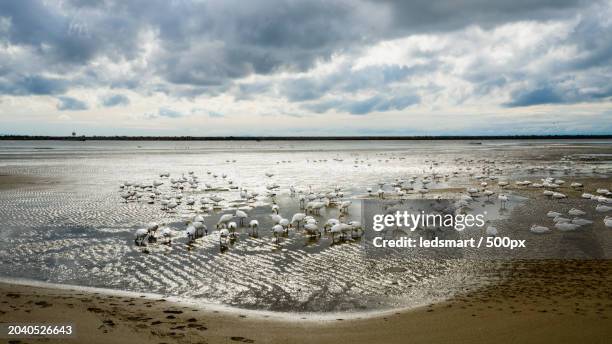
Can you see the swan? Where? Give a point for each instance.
(576, 185)
(587, 195)
(603, 208)
(565, 226)
(576, 212)
(312, 229)
(141, 235)
(553, 214)
(581, 222)
(232, 226)
(547, 193)
(330, 223)
(201, 229)
(278, 230)
(166, 233)
(336, 230)
(191, 233)
(356, 229)
(558, 195)
(224, 219)
(608, 221)
(275, 208)
(241, 215)
(561, 219)
(297, 218)
(344, 206)
(171, 205)
(276, 218)
(539, 229)
(223, 237)
(603, 191)
(254, 225)
(491, 231)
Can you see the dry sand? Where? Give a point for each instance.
(541, 301)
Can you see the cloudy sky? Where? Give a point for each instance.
(305, 67)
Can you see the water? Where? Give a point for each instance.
(69, 224)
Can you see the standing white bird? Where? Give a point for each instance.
(502, 200)
(141, 235)
(254, 225)
(344, 207)
(297, 218)
(241, 215)
(224, 219)
(278, 230)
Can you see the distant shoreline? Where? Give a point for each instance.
(297, 138)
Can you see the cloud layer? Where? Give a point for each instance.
(167, 67)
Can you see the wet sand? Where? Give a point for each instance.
(17, 181)
(540, 301)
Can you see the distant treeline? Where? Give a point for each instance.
(294, 138)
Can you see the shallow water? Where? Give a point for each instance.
(76, 229)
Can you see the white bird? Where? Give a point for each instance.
(254, 225)
(278, 230)
(491, 231)
(561, 219)
(141, 235)
(581, 222)
(558, 195)
(576, 212)
(312, 229)
(603, 208)
(547, 193)
(241, 215)
(191, 233)
(330, 223)
(602, 191)
(166, 233)
(344, 206)
(553, 214)
(539, 229)
(224, 219)
(297, 218)
(587, 195)
(566, 226)
(502, 200)
(608, 221)
(576, 185)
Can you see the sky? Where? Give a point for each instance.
(288, 67)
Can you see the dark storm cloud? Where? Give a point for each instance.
(209, 43)
(203, 47)
(115, 100)
(378, 103)
(71, 104)
(32, 85)
(560, 94)
(441, 16)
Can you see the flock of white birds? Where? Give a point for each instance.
(182, 191)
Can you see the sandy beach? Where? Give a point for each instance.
(549, 301)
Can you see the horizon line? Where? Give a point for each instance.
(297, 138)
